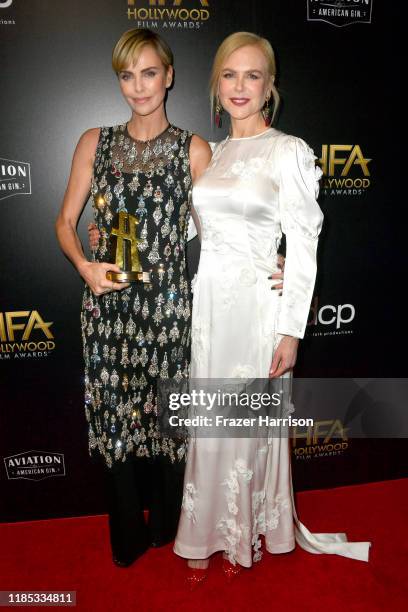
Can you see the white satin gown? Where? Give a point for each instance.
(236, 490)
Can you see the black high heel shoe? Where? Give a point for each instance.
(122, 563)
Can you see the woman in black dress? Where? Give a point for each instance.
(134, 334)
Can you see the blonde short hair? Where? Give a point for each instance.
(131, 43)
(232, 43)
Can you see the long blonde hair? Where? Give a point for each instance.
(229, 45)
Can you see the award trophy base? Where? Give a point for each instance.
(129, 277)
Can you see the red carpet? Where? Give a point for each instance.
(74, 554)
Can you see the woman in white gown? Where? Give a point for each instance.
(260, 183)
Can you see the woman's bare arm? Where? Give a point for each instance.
(75, 198)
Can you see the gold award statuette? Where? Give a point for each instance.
(124, 252)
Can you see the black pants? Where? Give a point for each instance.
(133, 486)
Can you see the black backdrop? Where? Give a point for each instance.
(335, 78)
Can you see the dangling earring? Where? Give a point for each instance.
(266, 111)
(218, 111)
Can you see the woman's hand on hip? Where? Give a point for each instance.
(278, 275)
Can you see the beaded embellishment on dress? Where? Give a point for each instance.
(133, 336)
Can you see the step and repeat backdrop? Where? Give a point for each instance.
(335, 78)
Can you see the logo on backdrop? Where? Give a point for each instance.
(345, 170)
(34, 465)
(25, 335)
(339, 12)
(3, 5)
(168, 14)
(330, 319)
(15, 178)
(322, 439)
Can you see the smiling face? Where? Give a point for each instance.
(244, 82)
(144, 83)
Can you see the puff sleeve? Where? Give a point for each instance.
(301, 222)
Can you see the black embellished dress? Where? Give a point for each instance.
(134, 336)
